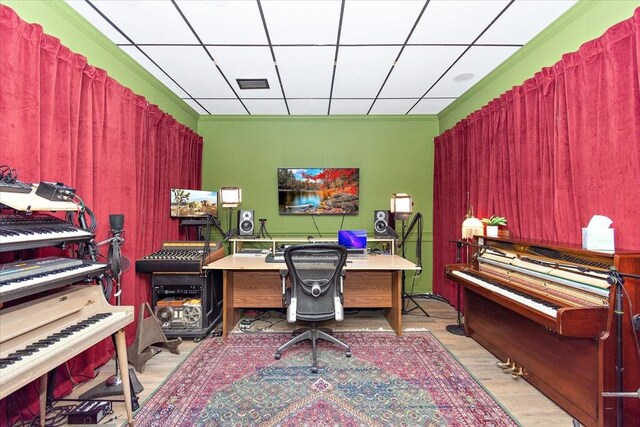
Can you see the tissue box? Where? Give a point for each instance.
(598, 239)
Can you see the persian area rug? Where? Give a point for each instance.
(389, 381)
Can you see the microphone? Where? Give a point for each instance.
(494, 250)
(614, 277)
(488, 248)
(116, 222)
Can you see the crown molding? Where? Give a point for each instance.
(556, 26)
(376, 118)
(79, 22)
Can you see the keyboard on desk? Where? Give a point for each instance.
(279, 258)
(271, 258)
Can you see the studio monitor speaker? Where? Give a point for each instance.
(382, 219)
(246, 221)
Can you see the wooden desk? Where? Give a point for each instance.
(250, 282)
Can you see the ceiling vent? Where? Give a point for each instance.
(253, 83)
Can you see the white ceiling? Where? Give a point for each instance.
(320, 57)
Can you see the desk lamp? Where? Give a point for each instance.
(230, 197)
(401, 206)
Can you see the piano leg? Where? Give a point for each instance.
(43, 399)
(121, 350)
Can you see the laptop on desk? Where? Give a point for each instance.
(355, 241)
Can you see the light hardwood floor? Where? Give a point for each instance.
(528, 406)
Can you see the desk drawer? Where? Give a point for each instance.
(368, 289)
(256, 289)
(263, 289)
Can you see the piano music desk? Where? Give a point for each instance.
(372, 282)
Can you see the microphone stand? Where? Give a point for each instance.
(457, 329)
(616, 279)
(113, 385)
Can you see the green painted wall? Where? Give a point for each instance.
(61, 21)
(394, 154)
(586, 21)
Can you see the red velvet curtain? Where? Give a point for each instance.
(549, 154)
(63, 120)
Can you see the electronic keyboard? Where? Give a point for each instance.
(37, 230)
(22, 278)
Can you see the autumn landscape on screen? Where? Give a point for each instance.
(318, 191)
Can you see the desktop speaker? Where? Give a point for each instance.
(382, 219)
(246, 221)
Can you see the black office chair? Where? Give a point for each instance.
(317, 276)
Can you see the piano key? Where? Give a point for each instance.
(524, 300)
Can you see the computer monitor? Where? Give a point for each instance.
(193, 203)
(353, 239)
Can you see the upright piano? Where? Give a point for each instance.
(547, 311)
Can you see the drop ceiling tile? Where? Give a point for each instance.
(350, 106)
(302, 22)
(308, 106)
(223, 106)
(133, 52)
(247, 63)
(417, 69)
(372, 22)
(523, 20)
(89, 13)
(306, 72)
(150, 21)
(453, 22)
(266, 106)
(475, 64)
(431, 106)
(393, 106)
(225, 22)
(361, 70)
(201, 79)
(193, 104)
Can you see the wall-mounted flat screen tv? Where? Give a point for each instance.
(193, 203)
(318, 191)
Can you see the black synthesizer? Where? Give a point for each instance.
(176, 257)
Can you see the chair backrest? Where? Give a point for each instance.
(315, 272)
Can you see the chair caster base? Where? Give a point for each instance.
(314, 369)
(277, 356)
(348, 354)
